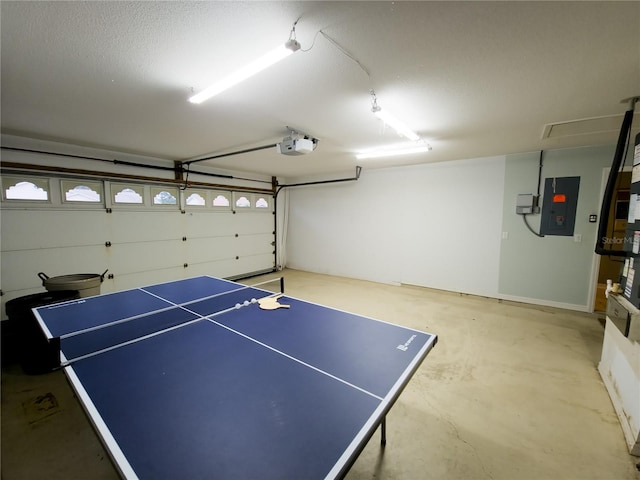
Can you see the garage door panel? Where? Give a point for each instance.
(125, 281)
(201, 224)
(247, 244)
(210, 249)
(255, 263)
(51, 229)
(254, 223)
(148, 256)
(142, 226)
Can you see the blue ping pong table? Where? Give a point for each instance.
(193, 379)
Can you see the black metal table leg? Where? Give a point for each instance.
(383, 431)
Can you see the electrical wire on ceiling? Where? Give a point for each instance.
(335, 44)
(387, 118)
(312, 43)
(345, 52)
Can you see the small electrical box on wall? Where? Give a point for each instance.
(527, 203)
(559, 206)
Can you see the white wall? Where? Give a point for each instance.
(434, 225)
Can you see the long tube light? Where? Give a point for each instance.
(420, 148)
(394, 123)
(274, 56)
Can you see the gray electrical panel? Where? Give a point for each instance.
(559, 206)
(527, 203)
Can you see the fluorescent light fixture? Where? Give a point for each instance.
(389, 152)
(394, 123)
(247, 71)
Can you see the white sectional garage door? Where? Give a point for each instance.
(139, 244)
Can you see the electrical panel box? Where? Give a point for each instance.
(559, 206)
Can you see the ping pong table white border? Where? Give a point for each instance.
(43, 325)
(350, 455)
(117, 456)
(348, 312)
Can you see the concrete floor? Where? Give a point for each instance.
(509, 392)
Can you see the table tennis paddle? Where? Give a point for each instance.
(271, 303)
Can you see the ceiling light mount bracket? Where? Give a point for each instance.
(390, 120)
(293, 44)
(374, 101)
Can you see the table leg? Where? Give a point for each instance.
(383, 431)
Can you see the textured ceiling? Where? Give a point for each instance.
(474, 79)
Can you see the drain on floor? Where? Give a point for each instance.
(41, 407)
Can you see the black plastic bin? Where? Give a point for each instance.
(35, 354)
